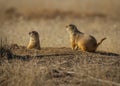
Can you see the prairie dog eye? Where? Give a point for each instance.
(29, 33)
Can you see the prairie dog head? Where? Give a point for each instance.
(72, 28)
(34, 35)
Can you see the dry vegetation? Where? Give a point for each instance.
(42, 7)
(53, 32)
(56, 64)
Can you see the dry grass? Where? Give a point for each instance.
(58, 66)
(17, 19)
(53, 32)
(82, 7)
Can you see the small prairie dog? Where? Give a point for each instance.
(82, 41)
(34, 42)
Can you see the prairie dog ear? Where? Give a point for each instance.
(74, 27)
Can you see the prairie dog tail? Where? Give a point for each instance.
(101, 41)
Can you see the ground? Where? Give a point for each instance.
(58, 66)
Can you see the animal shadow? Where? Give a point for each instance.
(107, 53)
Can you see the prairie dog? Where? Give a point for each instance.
(82, 41)
(34, 42)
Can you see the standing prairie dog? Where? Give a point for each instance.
(82, 41)
(34, 42)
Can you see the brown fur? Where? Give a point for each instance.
(83, 41)
(34, 42)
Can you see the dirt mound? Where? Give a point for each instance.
(58, 51)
